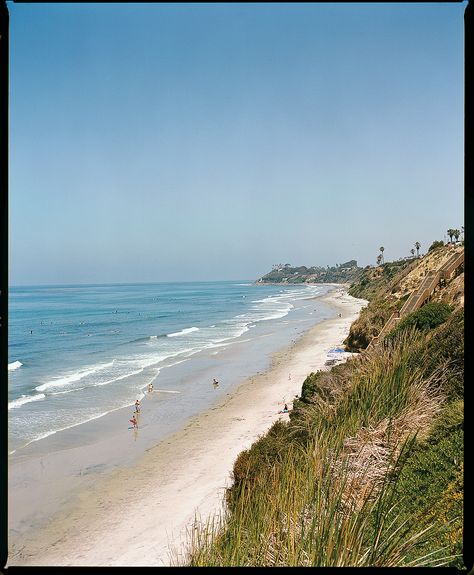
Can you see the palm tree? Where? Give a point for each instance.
(451, 234)
(412, 251)
(417, 246)
(381, 258)
(456, 234)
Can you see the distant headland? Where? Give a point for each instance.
(286, 274)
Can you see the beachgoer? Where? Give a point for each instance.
(137, 406)
(150, 387)
(215, 383)
(285, 408)
(134, 422)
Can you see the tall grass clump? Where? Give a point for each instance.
(309, 512)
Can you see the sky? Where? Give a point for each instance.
(193, 142)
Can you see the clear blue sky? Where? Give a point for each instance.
(167, 142)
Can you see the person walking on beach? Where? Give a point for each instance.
(134, 422)
(137, 406)
(150, 387)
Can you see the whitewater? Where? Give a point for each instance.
(78, 353)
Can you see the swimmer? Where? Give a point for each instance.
(215, 383)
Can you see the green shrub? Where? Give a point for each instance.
(450, 419)
(430, 487)
(261, 456)
(309, 386)
(323, 383)
(372, 284)
(369, 324)
(427, 317)
(436, 244)
(444, 349)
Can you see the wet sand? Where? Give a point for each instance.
(138, 514)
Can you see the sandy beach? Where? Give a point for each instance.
(138, 515)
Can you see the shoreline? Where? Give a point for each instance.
(137, 514)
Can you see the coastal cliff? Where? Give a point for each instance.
(368, 470)
(347, 272)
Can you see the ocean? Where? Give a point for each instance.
(80, 352)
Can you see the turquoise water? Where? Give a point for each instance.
(77, 353)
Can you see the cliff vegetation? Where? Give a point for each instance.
(369, 469)
(286, 274)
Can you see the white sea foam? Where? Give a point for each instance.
(53, 431)
(25, 399)
(159, 351)
(100, 383)
(66, 391)
(173, 364)
(213, 345)
(72, 377)
(277, 315)
(238, 330)
(219, 343)
(150, 360)
(14, 365)
(183, 331)
(267, 312)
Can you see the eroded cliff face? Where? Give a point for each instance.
(393, 294)
(430, 262)
(453, 293)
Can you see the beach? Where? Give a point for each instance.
(138, 514)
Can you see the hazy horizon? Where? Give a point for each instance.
(156, 143)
